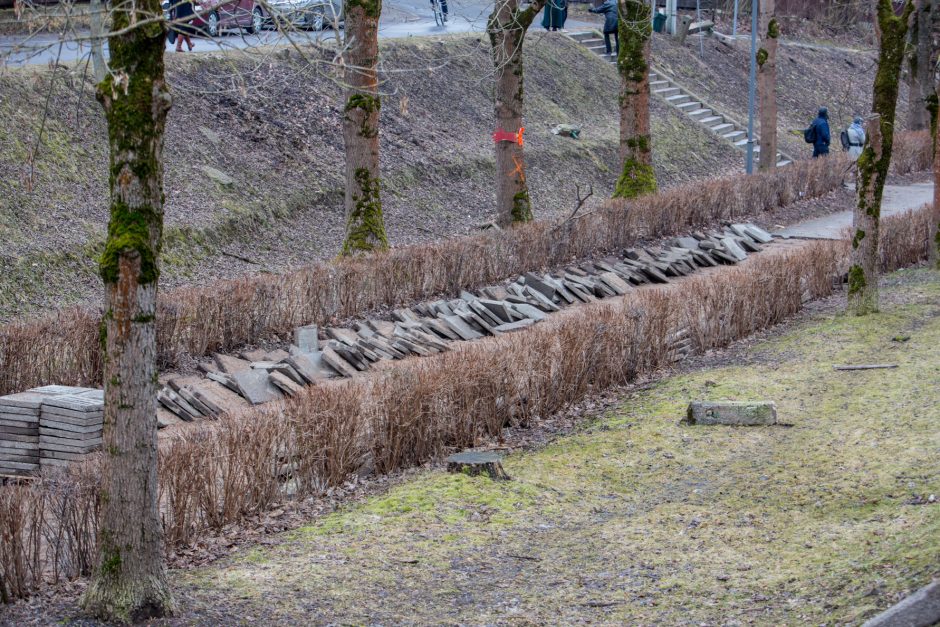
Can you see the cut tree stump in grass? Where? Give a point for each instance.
(477, 463)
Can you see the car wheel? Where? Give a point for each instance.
(316, 19)
(257, 20)
(213, 24)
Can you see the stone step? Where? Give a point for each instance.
(658, 84)
(784, 162)
(667, 91)
(741, 142)
(734, 135)
(592, 41)
(699, 113)
(677, 99)
(722, 128)
(712, 119)
(598, 49)
(654, 76)
(688, 106)
(582, 36)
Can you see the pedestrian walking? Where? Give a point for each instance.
(854, 138)
(556, 12)
(818, 133)
(609, 10)
(182, 23)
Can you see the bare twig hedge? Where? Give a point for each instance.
(222, 472)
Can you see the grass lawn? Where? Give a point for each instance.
(638, 519)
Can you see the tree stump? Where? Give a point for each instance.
(477, 463)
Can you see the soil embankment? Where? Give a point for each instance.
(254, 158)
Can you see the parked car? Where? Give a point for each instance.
(312, 14)
(212, 16)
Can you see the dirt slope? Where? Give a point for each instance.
(809, 76)
(272, 125)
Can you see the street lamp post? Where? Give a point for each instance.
(752, 90)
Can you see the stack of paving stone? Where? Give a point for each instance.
(19, 433)
(429, 328)
(70, 426)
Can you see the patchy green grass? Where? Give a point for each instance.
(639, 519)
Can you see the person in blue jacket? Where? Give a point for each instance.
(818, 133)
(609, 11)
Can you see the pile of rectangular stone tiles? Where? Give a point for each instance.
(49, 426)
(429, 328)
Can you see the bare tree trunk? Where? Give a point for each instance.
(767, 85)
(365, 226)
(920, 67)
(129, 581)
(636, 154)
(506, 27)
(876, 157)
(99, 67)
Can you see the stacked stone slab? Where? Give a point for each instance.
(19, 433)
(431, 327)
(70, 426)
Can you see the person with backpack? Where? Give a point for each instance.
(609, 11)
(818, 133)
(853, 139)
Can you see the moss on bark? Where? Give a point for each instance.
(637, 176)
(366, 226)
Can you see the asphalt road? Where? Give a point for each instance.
(400, 18)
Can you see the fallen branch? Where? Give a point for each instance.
(866, 367)
(581, 201)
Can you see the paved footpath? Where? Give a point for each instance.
(897, 198)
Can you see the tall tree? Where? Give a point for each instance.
(921, 60)
(934, 237)
(767, 85)
(635, 30)
(507, 27)
(891, 30)
(365, 226)
(129, 581)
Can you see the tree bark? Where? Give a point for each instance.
(129, 581)
(506, 27)
(99, 66)
(365, 226)
(767, 85)
(873, 163)
(921, 67)
(933, 242)
(636, 155)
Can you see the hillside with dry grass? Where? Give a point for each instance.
(254, 154)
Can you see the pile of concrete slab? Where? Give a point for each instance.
(49, 426)
(427, 328)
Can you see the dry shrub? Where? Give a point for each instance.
(912, 151)
(48, 530)
(217, 474)
(904, 238)
(229, 314)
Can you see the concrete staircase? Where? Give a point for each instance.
(663, 86)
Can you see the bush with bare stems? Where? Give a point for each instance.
(220, 473)
(229, 314)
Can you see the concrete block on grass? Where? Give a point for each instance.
(735, 413)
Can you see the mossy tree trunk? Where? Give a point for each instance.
(506, 28)
(767, 85)
(934, 237)
(129, 581)
(636, 154)
(365, 226)
(873, 163)
(921, 61)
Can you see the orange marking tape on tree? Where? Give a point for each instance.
(508, 136)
